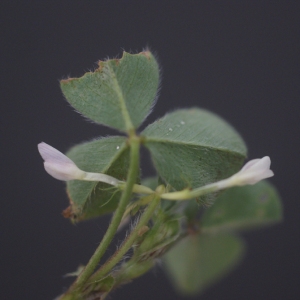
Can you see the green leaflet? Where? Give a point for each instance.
(194, 147)
(243, 208)
(119, 94)
(91, 199)
(197, 261)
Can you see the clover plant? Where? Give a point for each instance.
(189, 215)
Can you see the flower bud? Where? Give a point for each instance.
(252, 172)
(59, 165)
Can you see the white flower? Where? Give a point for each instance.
(253, 171)
(61, 167)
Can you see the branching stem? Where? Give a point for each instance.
(115, 222)
(118, 255)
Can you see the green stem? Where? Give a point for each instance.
(141, 202)
(127, 244)
(190, 194)
(115, 222)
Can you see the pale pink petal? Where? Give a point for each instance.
(59, 165)
(49, 153)
(250, 163)
(63, 172)
(262, 164)
(268, 174)
(254, 171)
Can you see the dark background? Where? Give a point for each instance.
(239, 59)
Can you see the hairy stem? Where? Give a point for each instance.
(118, 255)
(115, 222)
